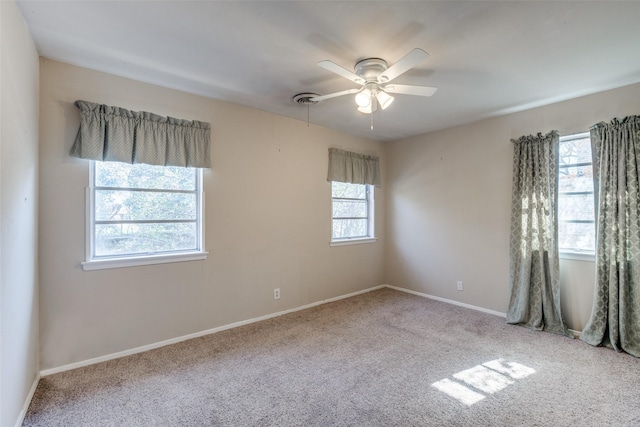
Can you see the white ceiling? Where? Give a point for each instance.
(487, 58)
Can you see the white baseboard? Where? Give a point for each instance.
(153, 346)
(148, 347)
(575, 333)
(27, 401)
(448, 301)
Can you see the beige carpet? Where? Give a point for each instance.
(384, 358)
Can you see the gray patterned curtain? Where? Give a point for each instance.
(345, 166)
(534, 266)
(115, 134)
(615, 316)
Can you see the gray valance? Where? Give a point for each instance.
(116, 134)
(345, 166)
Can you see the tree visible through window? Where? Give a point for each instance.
(576, 228)
(352, 206)
(141, 209)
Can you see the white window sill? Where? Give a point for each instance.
(344, 242)
(578, 256)
(101, 264)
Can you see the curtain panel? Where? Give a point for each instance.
(115, 134)
(615, 316)
(534, 263)
(345, 166)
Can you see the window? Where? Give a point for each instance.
(352, 218)
(141, 214)
(576, 211)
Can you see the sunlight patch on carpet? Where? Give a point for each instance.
(513, 369)
(484, 379)
(458, 391)
(469, 385)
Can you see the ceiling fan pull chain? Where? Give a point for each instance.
(374, 108)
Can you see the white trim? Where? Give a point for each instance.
(101, 264)
(345, 242)
(371, 222)
(153, 346)
(201, 221)
(575, 253)
(574, 136)
(449, 301)
(27, 401)
(97, 263)
(577, 256)
(371, 196)
(88, 217)
(575, 333)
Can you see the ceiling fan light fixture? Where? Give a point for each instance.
(384, 99)
(363, 99)
(369, 109)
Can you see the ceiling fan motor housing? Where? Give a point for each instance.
(370, 68)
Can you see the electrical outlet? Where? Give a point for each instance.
(276, 293)
(460, 288)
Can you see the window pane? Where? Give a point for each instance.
(349, 209)
(120, 205)
(125, 239)
(114, 174)
(576, 236)
(347, 190)
(578, 178)
(150, 201)
(576, 207)
(344, 228)
(574, 151)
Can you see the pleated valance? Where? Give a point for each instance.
(345, 166)
(115, 134)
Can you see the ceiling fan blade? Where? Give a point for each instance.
(334, 95)
(405, 63)
(335, 68)
(410, 90)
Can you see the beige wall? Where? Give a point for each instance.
(267, 221)
(448, 205)
(18, 214)
(445, 196)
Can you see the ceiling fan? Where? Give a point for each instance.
(375, 76)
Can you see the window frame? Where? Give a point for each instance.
(370, 200)
(574, 253)
(93, 262)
